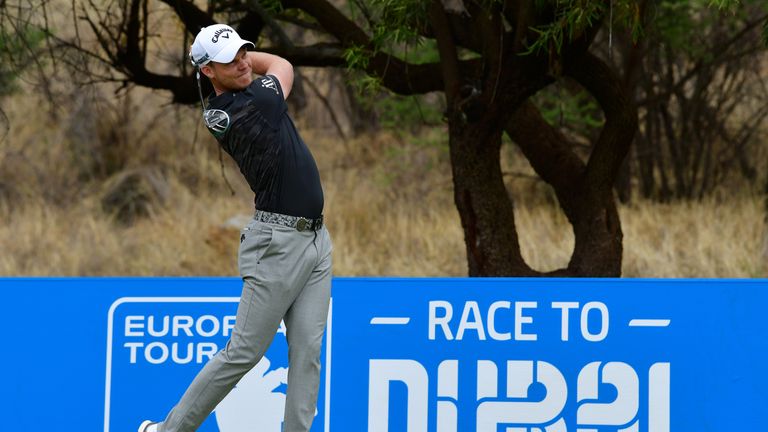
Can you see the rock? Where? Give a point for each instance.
(135, 193)
(238, 222)
(223, 238)
(455, 6)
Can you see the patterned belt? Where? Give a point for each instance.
(297, 222)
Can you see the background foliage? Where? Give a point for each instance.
(695, 186)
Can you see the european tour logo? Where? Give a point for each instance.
(159, 344)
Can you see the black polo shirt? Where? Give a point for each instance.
(264, 142)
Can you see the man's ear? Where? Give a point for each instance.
(207, 70)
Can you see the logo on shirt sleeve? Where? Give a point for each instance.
(269, 82)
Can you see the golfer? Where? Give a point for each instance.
(285, 251)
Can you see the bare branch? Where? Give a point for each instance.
(327, 106)
(190, 15)
(448, 54)
(620, 117)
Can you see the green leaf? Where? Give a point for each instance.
(356, 57)
(17, 50)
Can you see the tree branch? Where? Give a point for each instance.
(722, 56)
(317, 55)
(397, 75)
(190, 15)
(131, 54)
(448, 55)
(620, 112)
(548, 151)
(332, 20)
(487, 21)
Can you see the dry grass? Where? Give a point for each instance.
(707, 239)
(42, 240)
(372, 236)
(388, 203)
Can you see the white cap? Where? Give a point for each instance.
(218, 43)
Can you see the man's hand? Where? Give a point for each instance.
(269, 64)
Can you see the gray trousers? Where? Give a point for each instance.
(286, 276)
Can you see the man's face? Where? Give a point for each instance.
(233, 76)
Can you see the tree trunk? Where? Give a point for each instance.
(483, 203)
(474, 130)
(590, 210)
(624, 182)
(597, 229)
(584, 191)
(598, 237)
(765, 224)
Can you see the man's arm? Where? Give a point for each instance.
(269, 64)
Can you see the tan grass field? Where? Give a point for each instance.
(388, 206)
(372, 238)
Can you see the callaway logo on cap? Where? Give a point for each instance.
(218, 43)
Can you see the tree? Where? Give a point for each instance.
(493, 56)
(701, 92)
(19, 43)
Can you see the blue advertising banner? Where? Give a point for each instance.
(412, 355)
(549, 355)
